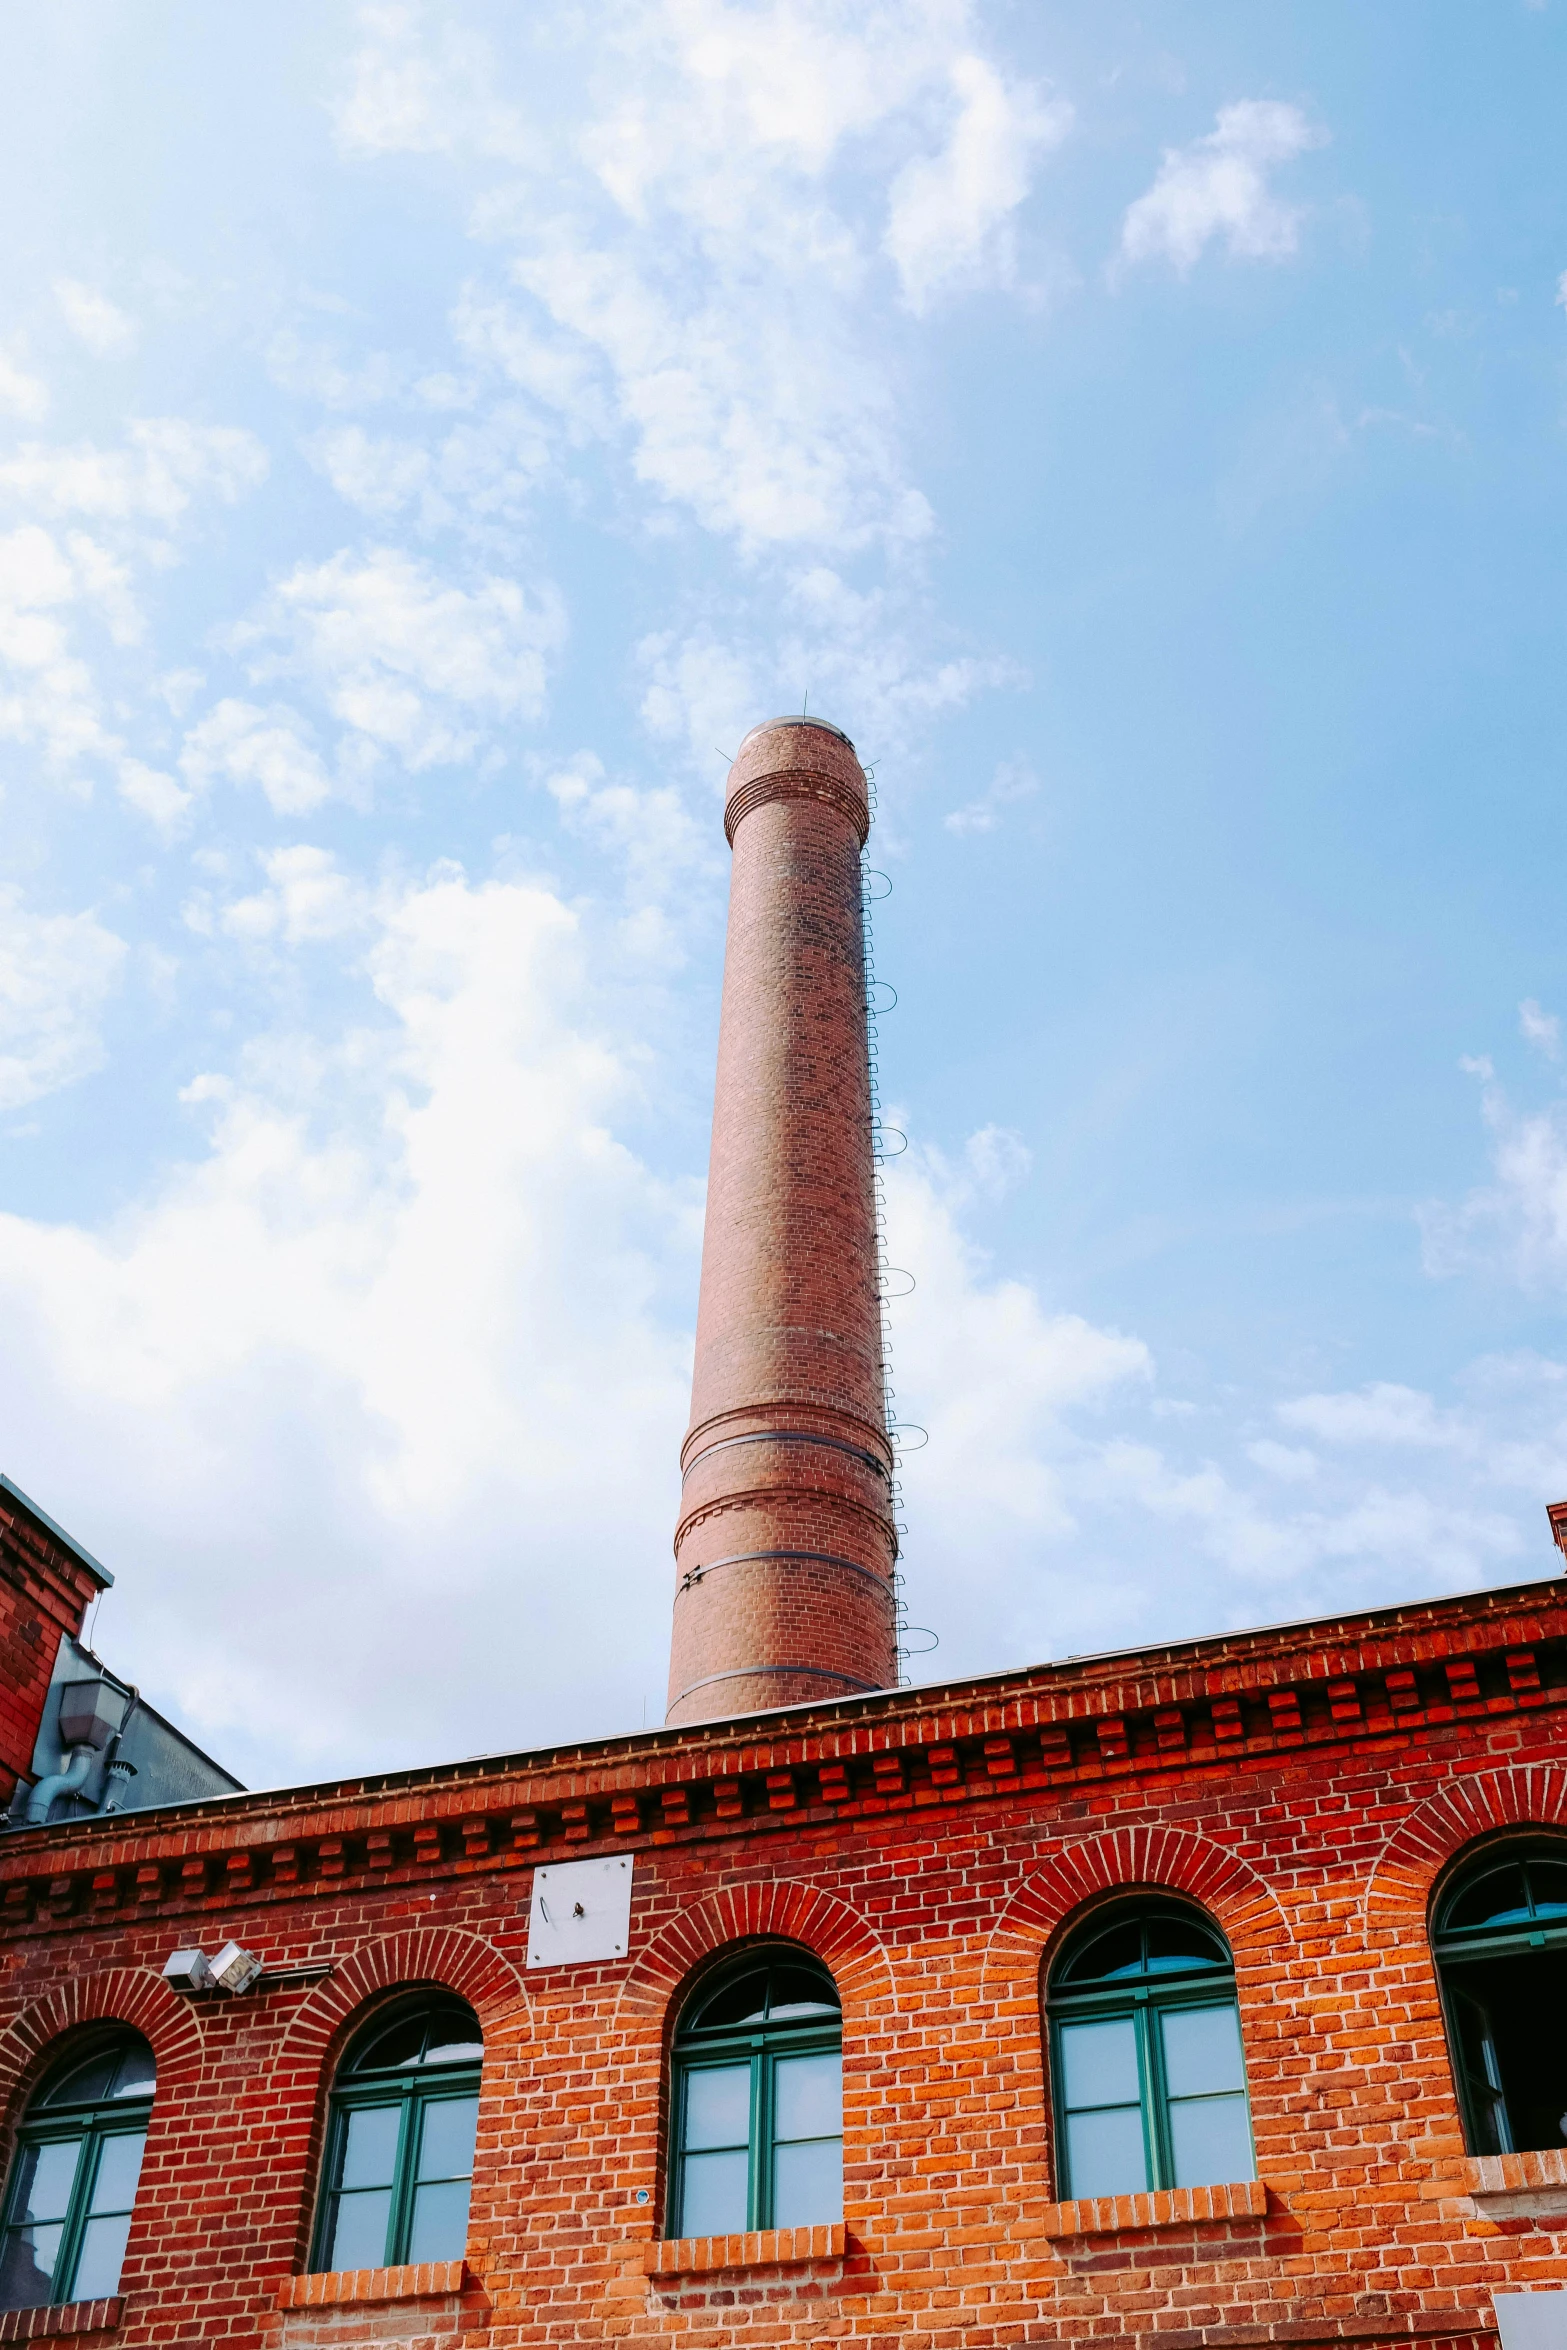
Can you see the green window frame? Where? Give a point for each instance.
(1499, 1938)
(1147, 2068)
(757, 2100)
(73, 2180)
(398, 2166)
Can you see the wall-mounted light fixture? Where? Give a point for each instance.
(234, 1969)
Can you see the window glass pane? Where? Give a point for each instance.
(27, 2267)
(1176, 1943)
(799, 1991)
(393, 2050)
(136, 2074)
(357, 2236)
(1114, 1953)
(808, 2096)
(454, 2039)
(446, 2140)
(119, 2166)
(713, 2194)
(1211, 2141)
(1099, 2063)
(87, 2083)
(738, 2002)
(1548, 1884)
(1104, 2153)
(369, 2146)
(1496, 1899)
(439, 2229)
(44, 2178)
(808, 2184)
(1202, 2052)
(98, 2264)
(718, 2106)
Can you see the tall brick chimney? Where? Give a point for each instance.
(786, 1542)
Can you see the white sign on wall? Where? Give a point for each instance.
(1532, 2321)
(581, 1912)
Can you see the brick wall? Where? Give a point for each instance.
(45, 1589)
(1308, 1787)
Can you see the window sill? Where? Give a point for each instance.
(1519, 2186)
(1172, 2207)
(767, 2248)
(331, 2287)
(63, 2317)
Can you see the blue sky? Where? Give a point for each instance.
(428, 438)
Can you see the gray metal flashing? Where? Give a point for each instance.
(58, 1531)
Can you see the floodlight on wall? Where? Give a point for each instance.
(187, 1970)
(235, 1968)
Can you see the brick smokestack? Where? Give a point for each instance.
(786, 1542)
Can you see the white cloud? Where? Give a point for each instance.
(650, 832)
(949, 212)
(57, 971)
(48, 696)
(1516, 1224)
(1291, 1463)
(154, 794)
(1561, 291)
(166, 462)
(378, 475)
(1218, 186)
(414, 1264)
(691, 283)
(1541, 1029)
(415, 664)
(1013, 780)
(424, 93)
(94, 319)
(24, 395)
(308, 899)
(274, 749)
(1383, 1413)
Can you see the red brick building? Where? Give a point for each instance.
(1206, 1995)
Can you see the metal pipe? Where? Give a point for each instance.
(63, 1782)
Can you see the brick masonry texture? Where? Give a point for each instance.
(785, 1544)
(44, 1593)
(1309, 1787)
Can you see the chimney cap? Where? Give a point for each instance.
(794, 719)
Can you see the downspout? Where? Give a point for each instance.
(63, 1782)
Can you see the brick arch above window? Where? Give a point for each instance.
(430, 1958)
(778, 1911)
(1131, 1861)
(133, 1996)
(1398, 1894)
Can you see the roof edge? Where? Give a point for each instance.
(52, 1526)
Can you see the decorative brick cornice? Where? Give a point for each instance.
(1219, 1704)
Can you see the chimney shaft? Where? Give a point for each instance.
(786, 1542)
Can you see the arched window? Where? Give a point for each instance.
(1150, 2083)
(1501, 1952)
(399, 2154)
(758, 2100)
(73, 2179)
